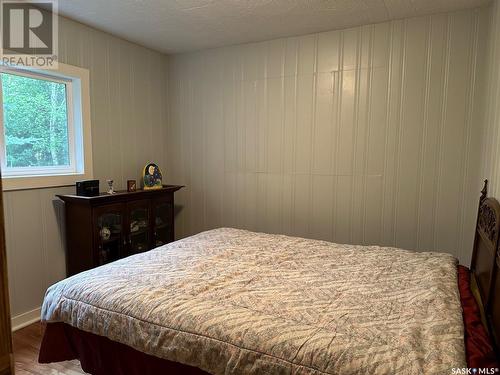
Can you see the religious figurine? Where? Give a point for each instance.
(152, 177)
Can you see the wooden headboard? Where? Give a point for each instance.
(485, 263)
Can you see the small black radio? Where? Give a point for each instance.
(88, 188)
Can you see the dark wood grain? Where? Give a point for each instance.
(79, 239)
(119, 196)
(83, 240)
(5, 325)
(485, 263)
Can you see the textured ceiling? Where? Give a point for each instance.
(174, 26)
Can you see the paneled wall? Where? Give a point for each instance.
(491, 154)
(128, 96)
(369, 135)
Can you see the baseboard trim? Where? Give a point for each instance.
(25, 319)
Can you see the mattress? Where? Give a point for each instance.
(234, 301)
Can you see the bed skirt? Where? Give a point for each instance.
(99, 355)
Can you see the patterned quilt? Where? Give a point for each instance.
(231, 301)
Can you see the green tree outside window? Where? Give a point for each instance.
(35, 122)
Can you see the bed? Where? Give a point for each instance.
(230, 301)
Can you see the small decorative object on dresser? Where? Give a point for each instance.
(108, 227)
(111, 189)
(88, 188)
(105, 233)
(152, 177)
(131, 185)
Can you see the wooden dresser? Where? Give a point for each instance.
(106, 227)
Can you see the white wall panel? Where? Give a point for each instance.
(490, 38)
(369, 135)
(128, 105)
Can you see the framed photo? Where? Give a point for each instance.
(131, 185)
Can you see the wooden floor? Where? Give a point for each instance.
(26, 345)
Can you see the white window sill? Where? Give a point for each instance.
(40, 182)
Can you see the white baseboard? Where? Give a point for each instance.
(25, 319)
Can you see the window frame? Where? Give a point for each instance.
(79, 132)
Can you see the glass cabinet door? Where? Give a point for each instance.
(162, 223)
(110, 237)
(139, 227)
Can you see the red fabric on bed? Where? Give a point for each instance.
(478, 347)
(100, 356)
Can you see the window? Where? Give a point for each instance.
(44, 127)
